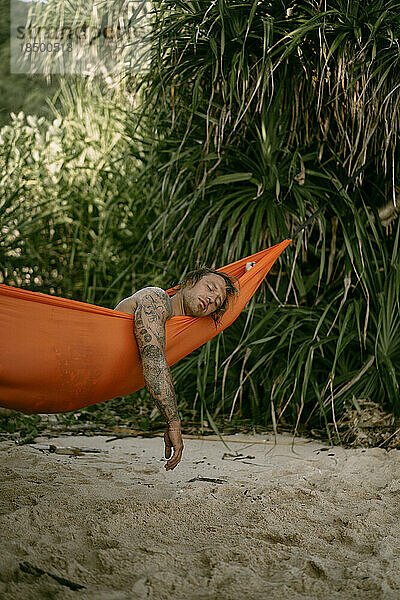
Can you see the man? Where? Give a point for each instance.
(203, 292)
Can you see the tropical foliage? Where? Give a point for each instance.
(252, 116)
(66, 201)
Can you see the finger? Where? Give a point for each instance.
(168, 446)
(171, 464)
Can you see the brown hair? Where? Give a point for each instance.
(191, 278)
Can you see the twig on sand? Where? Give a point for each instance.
(199, 478)
(229, 456)
(68, 450)
(32, 570)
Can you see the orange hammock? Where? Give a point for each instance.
(58, 355)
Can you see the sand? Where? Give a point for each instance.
(277, 522)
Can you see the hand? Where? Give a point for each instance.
(173, 439)
(249, 266)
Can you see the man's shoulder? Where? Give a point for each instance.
(154, 298)
(151, 292)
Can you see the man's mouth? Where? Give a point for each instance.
(203, 304)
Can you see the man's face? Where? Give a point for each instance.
(205, 296)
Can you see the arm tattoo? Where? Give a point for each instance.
(153, 309)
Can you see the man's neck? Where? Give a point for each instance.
(177, 305)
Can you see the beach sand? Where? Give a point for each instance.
(276, 522)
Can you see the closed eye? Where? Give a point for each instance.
(218, 300)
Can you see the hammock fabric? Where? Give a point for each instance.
(59, 355)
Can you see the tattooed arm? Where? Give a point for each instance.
(153, 308)
(152, 311)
